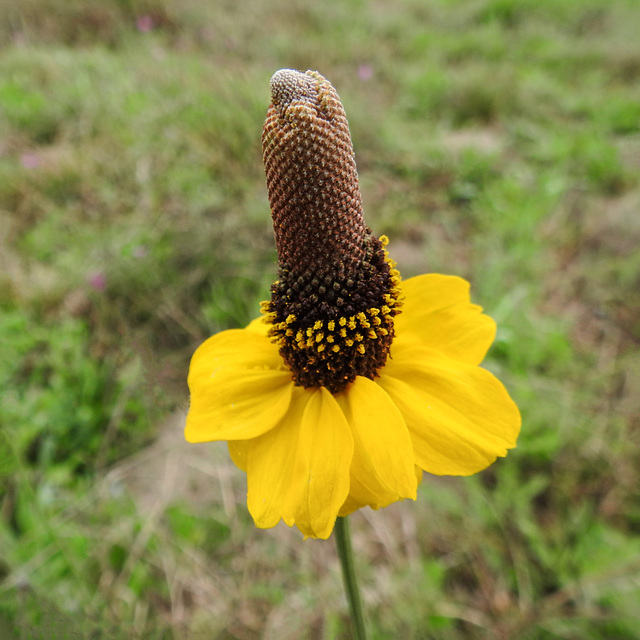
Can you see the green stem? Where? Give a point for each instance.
(345, 552)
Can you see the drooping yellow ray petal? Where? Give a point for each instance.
(382, 470)
(238, 348)
(258, 325)
(239, 450)
(237, 404)
(239, 388)
(437, 314)
(460, 417)
(299, 471)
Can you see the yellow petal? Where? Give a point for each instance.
(299, 471)
(460, 417)
(259, 325)
(238, 450)
(437, 314)
(382, 470)
(239, 388)
(237, 348)
(350, 505)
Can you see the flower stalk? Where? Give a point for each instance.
(345, 553)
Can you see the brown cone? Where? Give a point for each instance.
(336, 295)
(311, 176)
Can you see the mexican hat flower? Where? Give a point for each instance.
(352, 381)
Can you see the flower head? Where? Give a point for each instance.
(352, 381)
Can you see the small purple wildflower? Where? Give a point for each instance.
(30, 160)
(97, 281)
(365, 72)
(145, 23)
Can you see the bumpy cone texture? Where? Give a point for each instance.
(333, 303)
(312, 179)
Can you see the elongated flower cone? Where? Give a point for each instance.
(333, 304)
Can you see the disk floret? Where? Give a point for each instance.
(331, 328)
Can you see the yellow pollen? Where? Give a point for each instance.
(359, 343)
(363, 320)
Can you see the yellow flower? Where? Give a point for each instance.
(352, 381)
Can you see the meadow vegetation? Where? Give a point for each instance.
(495, 139)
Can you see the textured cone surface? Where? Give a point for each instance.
(311, 175)
(333, 303)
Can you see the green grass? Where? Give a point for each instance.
(496, 139)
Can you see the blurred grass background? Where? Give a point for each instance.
(495, 139)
